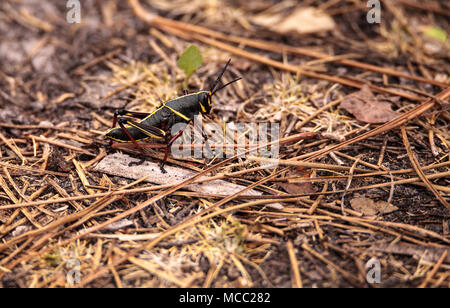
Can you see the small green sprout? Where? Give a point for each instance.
(436, 33)
(189, 61)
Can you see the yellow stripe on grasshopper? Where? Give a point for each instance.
(128, 141)
(148, 133)
(178, 113)
(203, 108)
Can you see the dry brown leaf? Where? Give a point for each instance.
(369, 207)
(124, 223)
(298, 188)
(302, 20)
(367, 108)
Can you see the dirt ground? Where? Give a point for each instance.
(360, 196)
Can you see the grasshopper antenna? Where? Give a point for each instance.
(220, 76)
(237, 79)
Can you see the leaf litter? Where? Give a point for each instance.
(368, 207)
(367, 108)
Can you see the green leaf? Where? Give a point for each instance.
(436, 33)
(189, 61)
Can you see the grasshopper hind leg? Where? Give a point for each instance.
(166, 153)
(121, 122)
(148, 130)
(161, 167)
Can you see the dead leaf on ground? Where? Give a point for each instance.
(368, 207)
(124, 223)
(302, 20)
(298, 188)
(367, 108)
(20, 230)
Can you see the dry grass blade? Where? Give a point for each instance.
(305, 164)
(8, 191)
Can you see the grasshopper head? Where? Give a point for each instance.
(206, 96)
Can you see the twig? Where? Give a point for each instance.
(297, 283)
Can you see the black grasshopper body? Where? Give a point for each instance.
(179, 110)
(159, 123)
